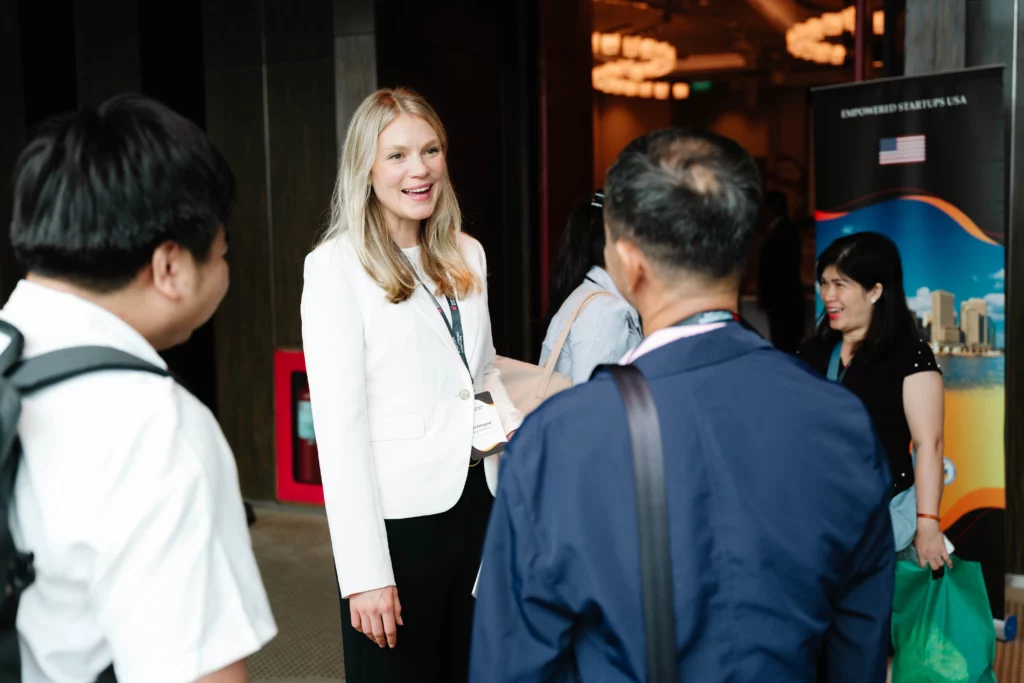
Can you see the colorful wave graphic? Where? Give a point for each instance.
(954, 213)
(973, 436)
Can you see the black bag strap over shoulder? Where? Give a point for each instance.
(42, 371)
(23, 378)
(652, 517)
(15, 344)
(20, 378)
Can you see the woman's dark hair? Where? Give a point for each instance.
(97, 191)
(869, 258)
(582, 248)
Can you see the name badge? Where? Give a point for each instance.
(488, 434)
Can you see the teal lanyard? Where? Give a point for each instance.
(834, 372)
(455, 326)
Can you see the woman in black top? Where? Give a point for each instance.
(871, 341)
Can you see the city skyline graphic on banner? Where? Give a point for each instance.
(943, 264)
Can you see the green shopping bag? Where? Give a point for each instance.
(942, 628)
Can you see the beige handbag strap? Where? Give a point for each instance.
(549, 366)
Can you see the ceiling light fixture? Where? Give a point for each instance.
(634, 63)
(809, 39)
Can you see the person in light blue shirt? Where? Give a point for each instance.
(608, 326)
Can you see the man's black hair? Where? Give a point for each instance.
(97, 191)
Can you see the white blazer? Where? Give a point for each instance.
(392, 403)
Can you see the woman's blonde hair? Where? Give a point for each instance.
(356, 209)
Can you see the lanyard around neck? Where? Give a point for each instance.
(708, 318)
(835, 373)
(455, 326)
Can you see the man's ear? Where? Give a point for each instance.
(634, 266)
(166, 264)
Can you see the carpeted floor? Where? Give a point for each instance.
(1009, 667)
(293, 549)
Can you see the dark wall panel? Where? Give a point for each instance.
(270, 108)
(468, 60)
(299, 31)
(1014, 318)
(171, 55)
(106, 49)
(232, 33)
(516, 304)
(934, 39)
(300, 106)
(47, 51)
(12, 135)
(243, 326)
(171, 71)
(567, 124)
(244, 323)
(990, 39)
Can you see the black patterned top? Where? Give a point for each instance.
(879, 385)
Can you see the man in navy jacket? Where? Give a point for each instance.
(781, 543)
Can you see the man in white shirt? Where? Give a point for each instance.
(127, 493)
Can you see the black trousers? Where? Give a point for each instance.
(435, 560)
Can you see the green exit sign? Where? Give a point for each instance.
(700, 86)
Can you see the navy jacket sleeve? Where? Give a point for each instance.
(857, 644)
(520, 632)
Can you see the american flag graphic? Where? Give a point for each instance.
(908, 149)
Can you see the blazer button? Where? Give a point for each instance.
(464, 394)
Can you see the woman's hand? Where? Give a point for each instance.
(377, 615)
(931, 545)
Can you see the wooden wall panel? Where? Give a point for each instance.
(270, 108)
(244, 330)
(474, 62)
(12, 135)
(990, 40)
(171, 67)
(106, 49)
(302, 145)
(300, 104)
(567, 124)
(935, 36)
(232, 34)
(47, 49)
(299, 31)
(355, 60)
(1015, 319)
(244, 325)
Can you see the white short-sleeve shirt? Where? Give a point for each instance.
(128, 496)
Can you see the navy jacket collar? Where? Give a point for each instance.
(702, 350)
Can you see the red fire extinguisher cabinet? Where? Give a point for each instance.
(298, 466)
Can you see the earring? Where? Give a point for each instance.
(874, 301)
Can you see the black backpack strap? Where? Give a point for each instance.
(11, 353)
(50, 368)
(34, 374)
(652, 517)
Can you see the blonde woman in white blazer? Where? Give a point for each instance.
(393, 386)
